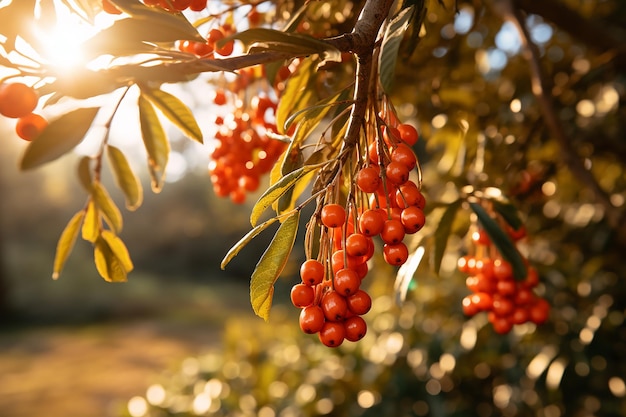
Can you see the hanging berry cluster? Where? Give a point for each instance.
(18, 101)
(507, 300)
(383, 200)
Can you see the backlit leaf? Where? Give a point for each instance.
(109, 266)
(502, 241)
(175, 110)
(234, 251)
(107, 206)
(443, 233)
(91, 223)
(155, 142)
(297, 43)
(125, 178)
(66, 243)
(118, 248)
(84, 172)
(270, 266)
(276, 190)
(60, 137)
(391, 44)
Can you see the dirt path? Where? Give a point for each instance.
(92, 371)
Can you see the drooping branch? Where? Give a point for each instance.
(541, 91)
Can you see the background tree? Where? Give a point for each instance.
(517, 105)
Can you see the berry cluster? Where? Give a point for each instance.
(18, 101)
(210, 47)
(331, 308)
(384, 201)
(169, 5)
(495, 290)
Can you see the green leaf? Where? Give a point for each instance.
(91, 223)
(84, 172)
(107, 207)
(502, 241)
(118, 248)
(66, 242)
(108, 265)
(390, 46)
(276, 190)
(60, 137)
(234, 251)
(125, 178)
(508, 212)
(155, 142)
(443, 231)
(270, 266)
(175, 110)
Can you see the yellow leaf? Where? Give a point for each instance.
(84, 172)
(109, 266)
(175, 110)
(245, 240)
(118, 248)
(91, 223)
(107, 207)
(66, 242)
(155, 142)
(125, 178)
(270, 266)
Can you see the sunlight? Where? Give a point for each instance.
(61, 45)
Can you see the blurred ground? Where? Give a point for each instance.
(93, 368)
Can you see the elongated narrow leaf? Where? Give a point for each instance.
(107, 207)
(175, 110)
(84, 173)
(443, 233)
(60, 137)
(502, 241)
(508, 213)
(155, 142)
(118, 248)
(109, 266)
(234, 251)
(275, 191)
(125, 178)
(66, 243)
(91, 224)
(271, 265)
(390, 46)
(287, 41)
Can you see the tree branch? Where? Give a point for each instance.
(540, 89)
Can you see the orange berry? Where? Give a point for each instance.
(30, 126)
(17, 100)
(333, 215)
(110, 8)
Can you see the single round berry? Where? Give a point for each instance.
(346, 282)
(334, 306)
(371, 222)
(408, 134)
(397, 173)
(368, 179)
(357, 244)
(302, 295)
(413, 219)
(356, 328)
(30, 126)
(312, 272)
(332, 334)
(17, 100)
(393, 231)
(404, 154)
(333, 215)
(359, 303)
(311, 319)
(395, 254)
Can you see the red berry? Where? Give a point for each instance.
(312, 272)
(408, 134)
(393, 231)
(30, 126)
(359, 303)
(346, 282)
(413, 219)
(17, 100)
(311, 319)
(334, 306)
(357, 244)
(368, 179)
(395, 254)
(332, 334)
(302, 295)
(356, 328)
(371, 222)
(397, 173)
(333, 215)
